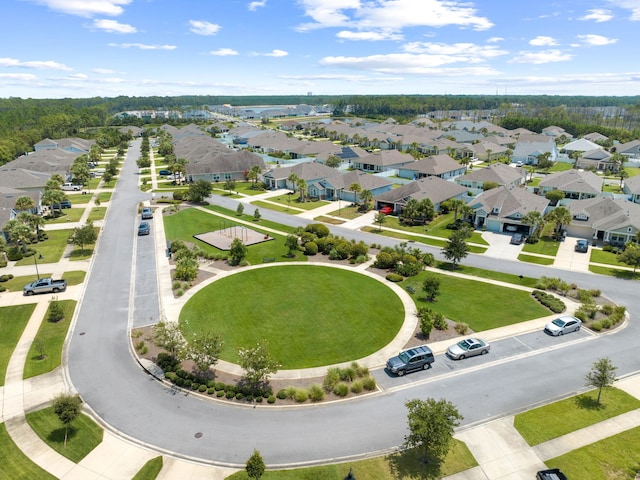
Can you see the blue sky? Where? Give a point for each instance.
(86, 48)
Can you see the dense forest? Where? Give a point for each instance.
(24, 122)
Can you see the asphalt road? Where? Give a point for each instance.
(518, 373)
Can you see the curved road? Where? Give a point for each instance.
(530, 370)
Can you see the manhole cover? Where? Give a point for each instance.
(198, 435)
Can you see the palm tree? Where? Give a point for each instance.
(536, 222)
(293, 178)
(19, 232)
(356, 189)
(366, 196)
(561, 216)
(456, 204)
(24, 203)
(302, 186)
(254, 174)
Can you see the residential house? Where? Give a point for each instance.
(498, 173)
(556, 132)
(580, 145)
(310, 172)
(132, 130)
(597, 159)
(337, 187)
(576, 184)
(433, 188)
(219, 166)
(23, 179)
(502, 209)
(631, 187)
(8, 197)
(442, 166)
(630, 149)
(530, 147)
(604, 220)
(487, 150)
(382, 161)
(596, 137)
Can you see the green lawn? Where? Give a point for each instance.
(242, 187)
(17, 283)
(330, 221)
(560, 167)
(407, 465)
(545, 246)
(278, 208)
(493, 275)
(559, 418)
(615, 272)
(13, 320)
(78, 199)
(500, 306)
(150, 470)
(437, 228)
(614, 458)
(50, 249)
(97, 213)
(533, 259)
(85, 252)
(346, 211)
(190, 221)
(104, 196)
(84, 434)
(15, 464)
(308, 205)
(52, 335)
(404, 236)
(248, 217)
(608, 258)
(307, 313)
(68, 215)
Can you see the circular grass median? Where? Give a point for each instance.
(310, 315)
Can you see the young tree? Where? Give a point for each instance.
(431, 287)
(291, 242)
(256, 215)
(204, 349)
(380, 219)
(167, 335)
(199, 191)
(333, 161)
(55, 312)
(230, 185)
(431, 424)
(67, 408)
(237, 252)
(38, 344)
(84, 235)
(457, 248)
(240, 209)
(255, 465)
(257, 364)
(554, 196)
(602, 375)
(630, 256)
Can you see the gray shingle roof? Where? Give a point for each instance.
(434, 188)
(496, 172)
(573, 181)
(509, 201)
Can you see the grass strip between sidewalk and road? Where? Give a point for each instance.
(565, 416)
(149, 470)
(52, 335)
(15, 464)
(84, 434)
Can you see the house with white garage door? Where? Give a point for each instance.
(605, 221)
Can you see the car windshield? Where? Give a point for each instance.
(559, 322)
(404, 357)
(464, 344)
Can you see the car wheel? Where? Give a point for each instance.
(560, 333)
(426, 366)
(461, 357)
(55, 290)
(484, 352)
(29, 293)
(577, 328)
(400, 373)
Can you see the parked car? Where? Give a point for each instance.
(386, 210)
(164, 172)
(147, 213)
(552, 474)
(63, 204)
(417, 358)
(582, 246)
(45, 285)
(562, 325)
(144, 228)
(71, 187)
(517, 239)
(469, 347)
(511, 228)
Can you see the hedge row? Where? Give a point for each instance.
(548, 300)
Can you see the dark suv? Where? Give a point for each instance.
(417, 358)
(553, 474)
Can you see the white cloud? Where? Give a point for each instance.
(276, 53)
(27, 77)
(89, 8)
(203, 28)
(103, 71)
(495, 40)
(598, 15)
(368, 36)
(407, 63)
(143, 46)
(391, 14)
(597, 40)
(543, 56)
(253, 6)
(542, 41)
(628, 5)
(37, 64)
(223, 52)
(461, 52)
(113, 26)
(78, 76)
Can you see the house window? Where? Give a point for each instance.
(216, 177)
(227, 176)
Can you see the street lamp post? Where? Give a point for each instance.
(36, 262)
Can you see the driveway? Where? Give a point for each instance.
(499, 246)
(567, 258)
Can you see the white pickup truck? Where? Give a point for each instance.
(45, 285)
(71, 187)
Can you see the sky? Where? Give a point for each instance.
(106, 48)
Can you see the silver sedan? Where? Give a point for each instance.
(468, 348)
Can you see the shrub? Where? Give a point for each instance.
(369, 383)
(259, 399)
(361, 371)
(219, 386)
(271, 399)
(4, 278)
(282, 394)
(394, 277)
(249, 398)
(211, 391)
(607, 309)
(316, 393)
(178, 195)
(331, 379)
(176, 285)
(384, 260)
(461, 328)
(179, 381)
(220, 393)
(310, 248)
(584, 296)
(439, 321)
(596, 326)
(181, 373)
(171, 376)
(239, 396)
(409, 269)
(357, 386)
(230, 395)
(301, 395)
(202, 388)
(56, 312)
(14, 254)
(187, 383)
(426, 325)
(195, 386)
(341, 389)
(552, 303)
(318, 229)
